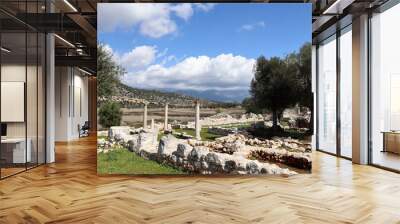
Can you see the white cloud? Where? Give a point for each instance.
(112, 16)
(139, 57)
(153, 20)
(205, 6)
(168, 59)
(252, 26)
(185, 11)
(158, 27)
(223, 72)
(136, 59)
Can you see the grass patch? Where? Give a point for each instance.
(121, 161)
(102, 137)
(237, 125)
(205, 135)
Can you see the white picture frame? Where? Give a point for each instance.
(12, 101)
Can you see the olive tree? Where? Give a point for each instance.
(275, 85)
(108, 72)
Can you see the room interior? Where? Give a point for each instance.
(71, 112)
(357, 82)
(22, 101)
(24, 55)
(39, 107)
(385, 89)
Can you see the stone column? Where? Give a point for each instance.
(152, 124)
(145, 116)
(197, 121)
(166, 118)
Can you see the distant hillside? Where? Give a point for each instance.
(132, 97)
(230, 96)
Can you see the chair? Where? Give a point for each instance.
(84, 130)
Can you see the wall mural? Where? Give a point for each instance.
(193, 89)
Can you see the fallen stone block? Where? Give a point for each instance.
(252, 167)
(197, 153)
(214, 162)
(167, 145)
(230, 166)
(121, 130)
(183, 150)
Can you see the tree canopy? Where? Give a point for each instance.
(280, 83)
(274, 85)
(110, 114)
(108, 73)
(305, 77)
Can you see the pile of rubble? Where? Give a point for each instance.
(107, 145)
(191, 155)
(289, 144)
(281, 150)
(126, 137)
(224, 118)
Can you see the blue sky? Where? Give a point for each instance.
(197, 48)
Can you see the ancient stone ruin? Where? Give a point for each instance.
(236, 152)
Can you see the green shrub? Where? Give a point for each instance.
(110, 114)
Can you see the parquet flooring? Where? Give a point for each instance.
(69, 191)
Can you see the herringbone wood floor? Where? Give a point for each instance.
(69, 191)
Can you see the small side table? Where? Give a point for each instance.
(391, 141)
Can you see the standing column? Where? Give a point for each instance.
(166, 118)
(197, 121)
(145, 116)
(360, 90)
(50, 93)
(152, 124)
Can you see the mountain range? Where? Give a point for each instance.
(174, 98)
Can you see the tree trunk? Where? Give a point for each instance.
(311, 124)
(274, 119)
